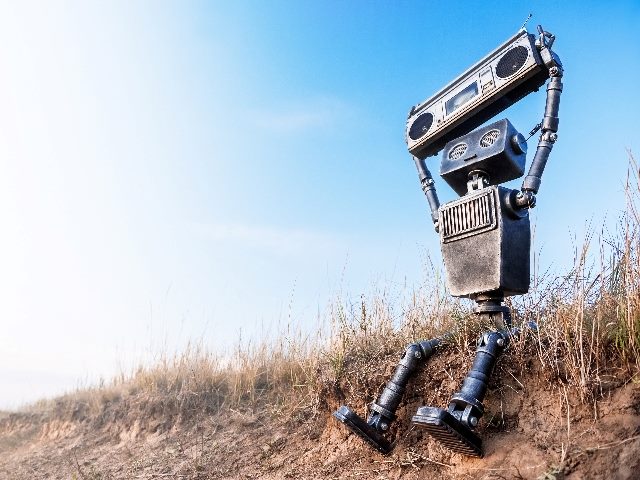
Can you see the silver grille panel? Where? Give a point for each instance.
(468, 216)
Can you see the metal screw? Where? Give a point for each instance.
(553, 137)
(384, 426)
(473, 421)
(500, 342)
(417, 355)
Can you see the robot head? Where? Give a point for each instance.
(497, 152)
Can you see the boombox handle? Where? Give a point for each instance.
(526, 198)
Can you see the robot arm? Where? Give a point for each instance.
(429, 188)
(526, 198)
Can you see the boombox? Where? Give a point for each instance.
(500, 79)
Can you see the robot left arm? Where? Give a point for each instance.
(526, 198)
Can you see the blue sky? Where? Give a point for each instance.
(183, 170)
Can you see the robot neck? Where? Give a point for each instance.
(478, 179)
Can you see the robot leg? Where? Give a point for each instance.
(454, 426)
(382, 411)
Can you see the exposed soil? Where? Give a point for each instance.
(534, 428)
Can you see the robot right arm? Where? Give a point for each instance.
(429, 188)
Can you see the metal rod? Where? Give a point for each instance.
(428, 187)
(548, 136)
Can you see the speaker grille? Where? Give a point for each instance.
(420, 126)
(467, 217)
(512, 61)
(489, 138)
(457, 151)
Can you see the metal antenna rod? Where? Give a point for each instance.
(525, 22)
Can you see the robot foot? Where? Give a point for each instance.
(449, 431)
(361, 428)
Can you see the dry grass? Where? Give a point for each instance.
(589, 319)
(199, 405)
(588, 340)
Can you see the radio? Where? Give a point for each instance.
(500, 79)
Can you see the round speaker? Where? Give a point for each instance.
(420, 126)
(512, 61)
(489, 138)
(457, 151)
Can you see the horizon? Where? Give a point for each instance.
(175, 172)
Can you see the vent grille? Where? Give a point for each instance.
(468, 216)
(457, 151)
(420, 126)
(489, 138)
(512, 61)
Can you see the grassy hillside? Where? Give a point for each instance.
(564, 400)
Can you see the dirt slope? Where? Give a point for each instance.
(532, 429)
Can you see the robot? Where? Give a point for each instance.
(485, 234)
